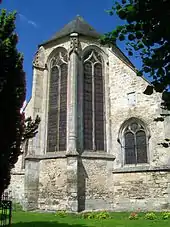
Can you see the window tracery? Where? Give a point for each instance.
(93, 102)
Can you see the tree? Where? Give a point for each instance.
(30, 128)
(14, 129)
(12, 96)
(147, 33)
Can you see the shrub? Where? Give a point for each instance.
(96, 215)
(133, 216)
(61, 213)
(88, 215)
(150, 216)
(103, 215)
(165, 215)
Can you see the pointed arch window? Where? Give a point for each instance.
(135, 143)
(93, 106)
(57, 112)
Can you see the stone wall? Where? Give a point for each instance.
(102, 187)
(93, 184)
(53, 184)
(141, 191)
(16, 188)
(122, 81)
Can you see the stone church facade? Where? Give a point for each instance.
(97, 145)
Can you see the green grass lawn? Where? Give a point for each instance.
(25, 219)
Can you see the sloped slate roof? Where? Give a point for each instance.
(77, 25)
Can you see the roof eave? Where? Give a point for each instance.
(97, 36)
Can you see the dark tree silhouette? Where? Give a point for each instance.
(146, 33)
(14, 129)
(12, 96)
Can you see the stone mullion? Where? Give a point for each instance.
(93, 110)
(136, 152)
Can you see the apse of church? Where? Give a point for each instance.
(98, 145)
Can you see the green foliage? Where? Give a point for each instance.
(88, 215)
(148, 34)
(133, 216)
(12, 96)
(30, 128)
(165, 215)
(150, 216)
(61, 213)
(96, 215)
(103, 215)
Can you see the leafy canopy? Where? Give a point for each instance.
(146, 31)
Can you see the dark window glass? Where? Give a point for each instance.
(93, 102)
(53, 110)
(141, 147)
(130, 157)
(98, 100)
(63, 108)
(57, 112)
(134, 127)
(88, 137)
(135, 144)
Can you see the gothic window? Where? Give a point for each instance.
(93, 102)
(57, 112)
(135, 143)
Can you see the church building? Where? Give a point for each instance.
(98, 146)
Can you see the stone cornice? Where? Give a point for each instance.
(85, 155)
(18, 173)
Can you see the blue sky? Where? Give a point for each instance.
(38, 20)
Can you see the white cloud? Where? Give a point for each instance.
(25, 19)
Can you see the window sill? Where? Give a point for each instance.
(97, 155)
(144, 168)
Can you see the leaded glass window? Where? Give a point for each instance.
(93, 102)
(135, 140)
(57, 112)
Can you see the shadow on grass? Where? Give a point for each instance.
(48, 224)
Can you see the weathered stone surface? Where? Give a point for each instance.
(72, 183)
(144, 191)
(53, 184)
(31, 185)
(16, 187)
